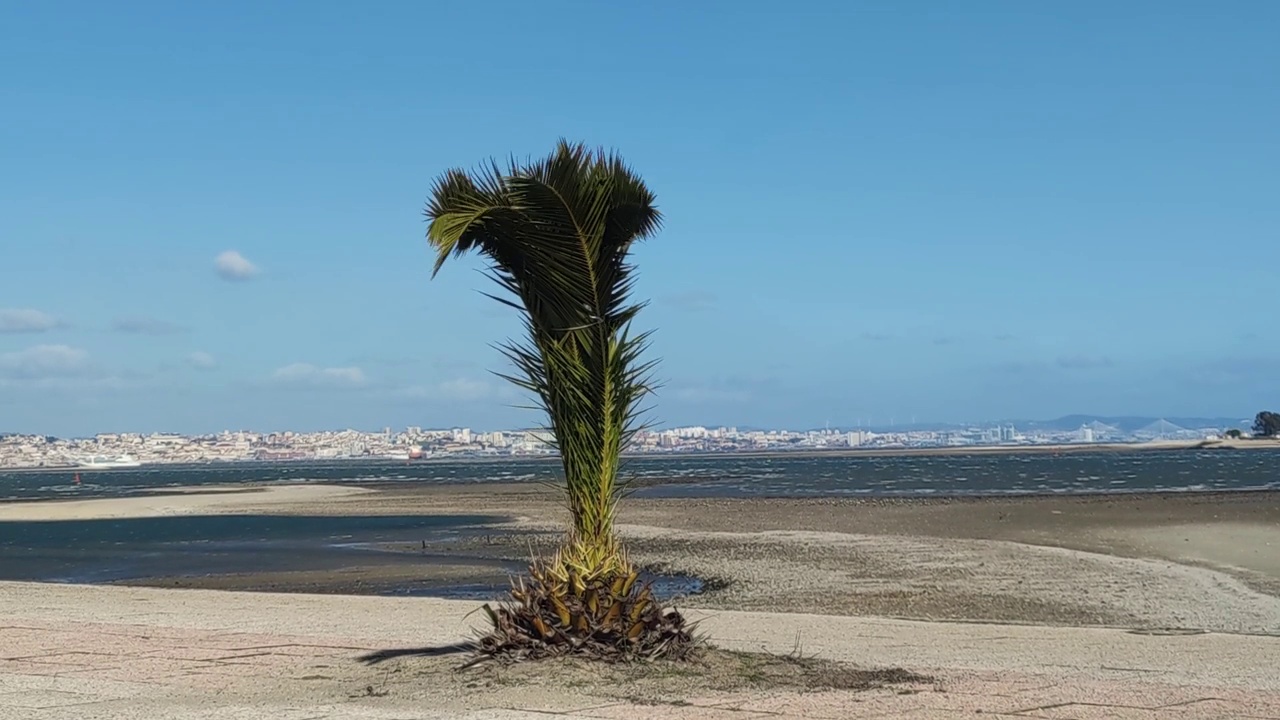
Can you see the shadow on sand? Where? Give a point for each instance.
(379, 656)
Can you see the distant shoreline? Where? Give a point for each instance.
(1053, 449)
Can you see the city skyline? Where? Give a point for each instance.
(1059, 423)
(212, 214)
(127, 450)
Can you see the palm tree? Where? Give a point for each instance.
(557, 233)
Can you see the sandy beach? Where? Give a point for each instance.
(75, 652)
(1152, 562)
(178, 501)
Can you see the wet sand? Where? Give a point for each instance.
(176, 501)
(1152, 562)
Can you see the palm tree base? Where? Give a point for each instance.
(607, 617)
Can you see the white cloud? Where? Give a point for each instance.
(233, 266)
(45, 361)
(311, 375)
(146, 326)
(202, 360)
(21, 320)
(460, 390)
(466, 389)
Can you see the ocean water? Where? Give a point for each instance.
(725, 475)
(109, 550)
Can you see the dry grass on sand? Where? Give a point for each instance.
(709, 671)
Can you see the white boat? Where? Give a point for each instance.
(104, 462)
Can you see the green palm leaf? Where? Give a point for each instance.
(557, 232)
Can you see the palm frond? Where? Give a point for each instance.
(558, 232)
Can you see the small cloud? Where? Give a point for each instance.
(202, 360)
(1083, 362)
(304, 374)
(691, 301)
(84, 382)
(384, 361)
(466, 389)
(146, 326)
(459, 390)
(233, 267)
(876, 337)
(1006, 337)
(22, 320)
(946, 340)
(45, 361)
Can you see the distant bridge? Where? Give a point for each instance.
(1164, 430)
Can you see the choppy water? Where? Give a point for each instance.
(728, 475)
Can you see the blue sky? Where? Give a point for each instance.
(211, 213)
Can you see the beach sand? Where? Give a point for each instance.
(75, 652)
(1151, 562)
(178, 501)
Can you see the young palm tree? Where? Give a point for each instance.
(557, 233)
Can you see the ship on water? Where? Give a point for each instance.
(106, 462)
